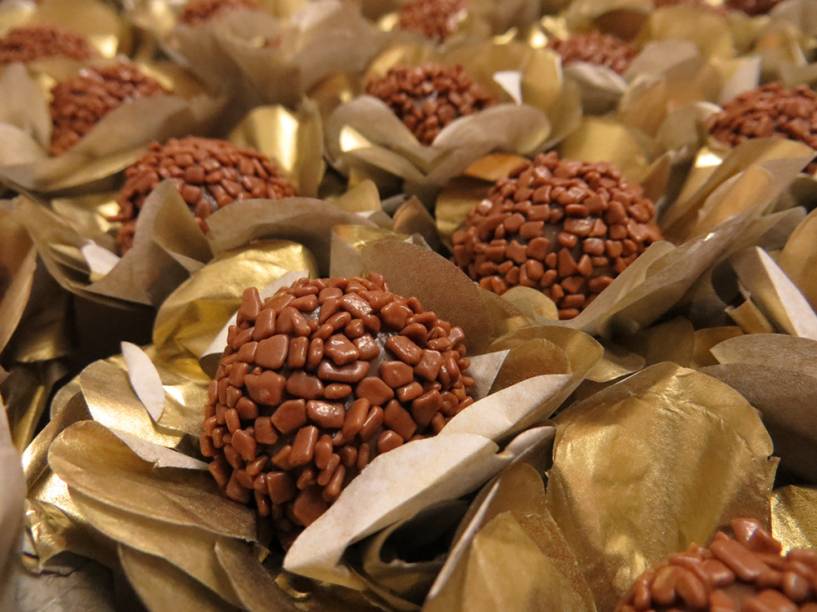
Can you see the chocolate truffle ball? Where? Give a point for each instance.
(197, 12)
(567, 228)
(428, 98)
(30, 43)
(753, 7)
(317, 381)
(209, 174)
(769, 110)
(80, 102)
(595, 48)
(434, 19)
(744, 571)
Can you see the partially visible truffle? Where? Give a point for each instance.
(567, 228)
(753, 7)
(35, 42)
(595, 48)
(769, 110)
(745, 571)
(428, 98)
(197, 12)
(209, 174)
(317, 381)
(80, 102)
(434, 19)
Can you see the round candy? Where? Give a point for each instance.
(769, 110)
(595, 48)
(428, 98)
(744, 571)
(434, 19)
(318, 380)
(209, 174)
(80, 102)
(35, 42)
(567, 228)
(197, 12)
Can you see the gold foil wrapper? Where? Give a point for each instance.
(616, 490)
(793, 520)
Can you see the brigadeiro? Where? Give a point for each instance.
(209, 174)
(769, 110)
(595, 48)
(197, 12)
(80, 102)
(428, 98)
(318, 380)
(36, 42)
(742, 571)
(567, 228)
(434, 19)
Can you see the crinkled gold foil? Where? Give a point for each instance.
(18, 261)
(799, 257)
(95, 20)
(517, 560)
(650, 465)
(90, 459)
(794, 522)
(26, 391)
(161, 586)
(193, 314)
(709, 30)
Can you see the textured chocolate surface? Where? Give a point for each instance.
(428, 98)
(567, 228)
(317, 381)
(770, 110)
(197, 12)
(753, 7)
(209, 174)
(745, 571)
(434, 19)
(30, 43)
(595, 48)
(79, 103)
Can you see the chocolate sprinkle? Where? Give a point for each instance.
(567, 228)
(318, 380)
(770, 110)
(209, 174)
(595, 48)
(428, 98)
(434, 19)
(745, 571)
(80, 102)
(197, 12)
(30, 43)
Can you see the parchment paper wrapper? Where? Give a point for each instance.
(616, 490)
(76, 241)
(11, 511)
(776, 373)
(536, 109)
(260, 59)
(115, 142)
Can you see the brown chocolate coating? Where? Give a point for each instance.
(317, 381)
(434, 19)
(595, 48)
(428, 98)
(567, 228)
(35, 42)
(769, 110)
(745, 571)
(80, 102)
(209, 174)
(753, 7)
(197, 12)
